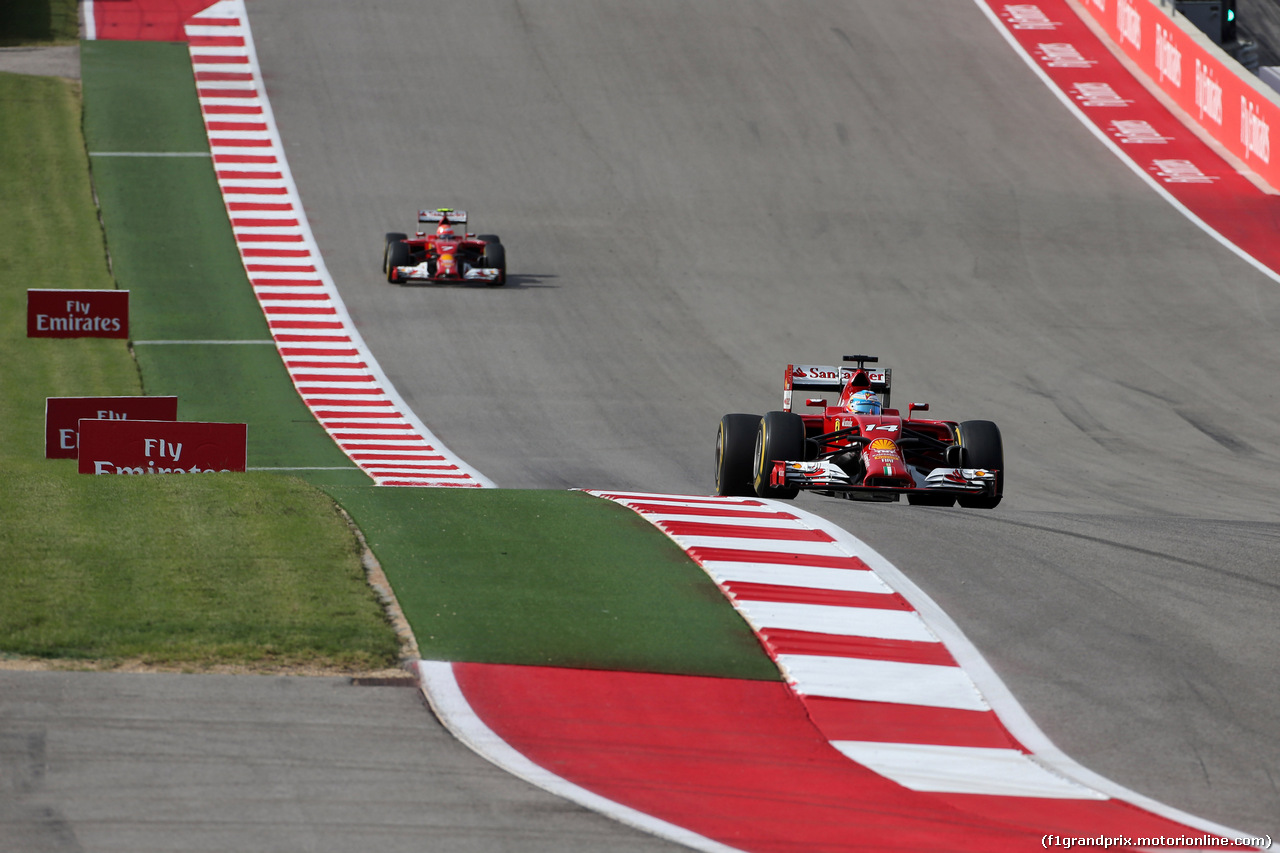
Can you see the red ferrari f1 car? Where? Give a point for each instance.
(444, 255)
(859, 448)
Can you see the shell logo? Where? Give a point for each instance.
(883, 444)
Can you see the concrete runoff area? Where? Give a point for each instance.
(128, 763)
(56, 61)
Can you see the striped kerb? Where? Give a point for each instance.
(329, 363)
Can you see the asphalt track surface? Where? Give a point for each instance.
(149, 763)
(694, 194)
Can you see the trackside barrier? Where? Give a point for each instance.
(1224, 100)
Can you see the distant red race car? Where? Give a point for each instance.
(859, 448)
(444, 255)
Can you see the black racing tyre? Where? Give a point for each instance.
(392, 236)
(396, 255)
(780, 436)
(489, 238)
(495, 258)
(983, 448)
(735, 447)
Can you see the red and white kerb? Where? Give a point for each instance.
(327, 359)
(886, 677)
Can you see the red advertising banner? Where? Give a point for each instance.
(78, 314)
(161, 447)
(1075, 55)
(1218, 94)
(62, 416)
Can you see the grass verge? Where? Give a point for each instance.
(255, 570)
(198, 571)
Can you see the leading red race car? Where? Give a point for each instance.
(859, 448)
(444, 255)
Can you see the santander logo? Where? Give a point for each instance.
(1028, 16)
(1176, 171)
(1063, 55)
(1098, 95)
(1137, 132)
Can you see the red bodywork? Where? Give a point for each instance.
(445, 255)
(883, 460)
(864, 455)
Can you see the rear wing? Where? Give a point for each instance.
(819, 377)
(442, 214)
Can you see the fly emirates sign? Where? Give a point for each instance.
(78, 314)
(62, 417)
(161, 447)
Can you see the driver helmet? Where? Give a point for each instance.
(864, 403)
(445, 230)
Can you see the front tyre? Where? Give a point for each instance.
(780, 437)
(983, 448)
(392, 237)
(396, 255)
(735, 444)
(495, 258)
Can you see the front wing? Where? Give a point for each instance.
(422, 272)
(825, 476)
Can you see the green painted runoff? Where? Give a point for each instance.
(550, 578)
(173, 249)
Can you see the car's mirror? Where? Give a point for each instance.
(816, 401)
(912, 408)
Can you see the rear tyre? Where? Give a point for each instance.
(735, 445)
(779, 437)
(489, 238)
(396, 255)
(495, 258)
(983, 448)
